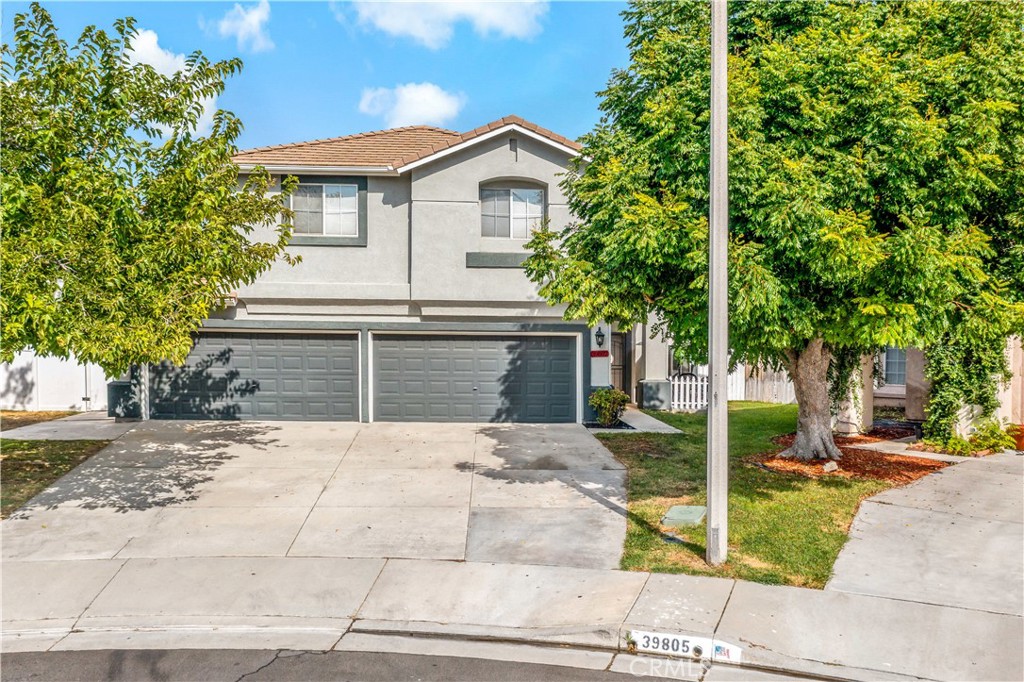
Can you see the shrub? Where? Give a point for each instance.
(609, 403)
(991, 435)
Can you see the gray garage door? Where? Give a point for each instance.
(261, 376)
(474, 378)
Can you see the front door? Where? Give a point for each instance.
(620, 373)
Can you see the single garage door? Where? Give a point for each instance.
(261, 376)
(474, 378)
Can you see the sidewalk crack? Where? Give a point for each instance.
(92, 601)
(355, 614)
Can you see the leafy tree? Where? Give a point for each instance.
(872, 174)
(122, 227)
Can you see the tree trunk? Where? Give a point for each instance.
(809, 371)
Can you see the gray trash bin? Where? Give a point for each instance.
(122, 402)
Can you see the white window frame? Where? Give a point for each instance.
(885, 367)
(511, 210)
(323, 208)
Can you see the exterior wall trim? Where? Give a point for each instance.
(511, 127)
(301, 326)
(494, 259)
(328, 170)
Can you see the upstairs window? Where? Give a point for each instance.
(510, 213)
(326, 209)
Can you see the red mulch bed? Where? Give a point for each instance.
(856, 462)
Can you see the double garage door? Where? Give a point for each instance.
(413, 378)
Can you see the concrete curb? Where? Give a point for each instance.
(534, 606)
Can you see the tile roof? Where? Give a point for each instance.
(393, 148)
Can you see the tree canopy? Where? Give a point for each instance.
(875, 178)
(122, 226)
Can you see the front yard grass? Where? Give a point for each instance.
(13, 419)
(783, 528)
(28, 466)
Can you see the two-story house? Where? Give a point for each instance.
(410, 302)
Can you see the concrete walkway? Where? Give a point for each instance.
(953, 538)
(641, 423)
(83, 426)
(140, 595)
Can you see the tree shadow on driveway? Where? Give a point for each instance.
(158, 464)
(546, 494)
(525, 455)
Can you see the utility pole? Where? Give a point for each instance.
(718, 304)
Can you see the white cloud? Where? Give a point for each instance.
(146, 50)
(412, 104)
(432, 23)
(248, 26)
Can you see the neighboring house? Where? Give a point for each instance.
(35, 383)
(410, 302)
(904, 384)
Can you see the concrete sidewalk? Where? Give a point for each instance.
(918, 625)
(93, 425)
(324, 604)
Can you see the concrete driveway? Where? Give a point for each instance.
(526, 494)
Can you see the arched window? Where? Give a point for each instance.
(510, 209)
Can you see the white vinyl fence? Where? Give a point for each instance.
(690, 389)
(34, 383)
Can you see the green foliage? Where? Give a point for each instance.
(956, 445)
(989, 436)
(963, 370)
(876, 180)
(843, 378)
(609, 403)
(122, 226)
(782, 529)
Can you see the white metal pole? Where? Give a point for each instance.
(718, 304)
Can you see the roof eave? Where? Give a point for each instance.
(303, 169)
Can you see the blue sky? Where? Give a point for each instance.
(319, 69)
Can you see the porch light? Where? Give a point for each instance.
(599, 337)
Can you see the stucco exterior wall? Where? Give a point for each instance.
(1011, 395)
(420, 227)
(446, 221)
(378, 271)
(31, 382)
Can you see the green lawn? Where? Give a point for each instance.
(29, 466)
(783, 529)
(15, 419)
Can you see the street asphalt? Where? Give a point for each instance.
(240, 665)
